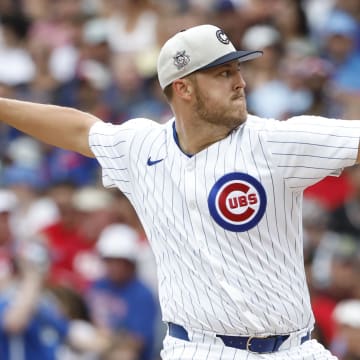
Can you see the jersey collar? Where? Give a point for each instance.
(176, 139)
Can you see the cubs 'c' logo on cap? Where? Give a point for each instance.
(237, 202)
(222, 37)
(181, 59)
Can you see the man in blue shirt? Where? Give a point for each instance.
(31, 323)
(120, 301)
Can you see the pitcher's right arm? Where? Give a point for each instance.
(63, 127)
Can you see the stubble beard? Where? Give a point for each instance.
(223, 115)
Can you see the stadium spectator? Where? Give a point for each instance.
(32, 324)
(84, 212)
(345, 218)
(347, 316)
(120, 301)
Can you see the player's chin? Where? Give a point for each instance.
(241, 113)
(235, 121)
(239, 104)
(242, 118)
(236, 114)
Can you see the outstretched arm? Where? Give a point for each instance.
(63, 127)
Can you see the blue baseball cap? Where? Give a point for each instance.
(340, 23)
(22, 175)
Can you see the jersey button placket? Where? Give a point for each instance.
(190, 168)
(192, 205)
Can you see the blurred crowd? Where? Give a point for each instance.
(77, 276)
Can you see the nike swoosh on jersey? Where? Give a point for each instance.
(153, 162)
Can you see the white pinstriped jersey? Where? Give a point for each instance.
(225, 224)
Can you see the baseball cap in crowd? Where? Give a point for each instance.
(91, 198)
(8, 201)
(19, 175)
(347, 312)
(25, 151)
(95, 32)
(340, 23)
(260, 36)
(118, 241)
(197, 48)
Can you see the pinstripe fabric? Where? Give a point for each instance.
(210, 278)
(175, 349)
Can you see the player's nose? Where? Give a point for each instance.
(239, 81)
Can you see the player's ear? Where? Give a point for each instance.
(183, 88)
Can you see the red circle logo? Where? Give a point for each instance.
(237, 201)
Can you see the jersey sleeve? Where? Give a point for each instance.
(111, 145)
(306, 149)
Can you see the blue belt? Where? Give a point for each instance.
(254, 344)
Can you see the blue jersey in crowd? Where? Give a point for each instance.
(131, 307)
(42, 337)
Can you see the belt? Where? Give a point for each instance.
(254, 344)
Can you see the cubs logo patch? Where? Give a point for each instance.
(237, 202)
(181, 59)
(222, 37)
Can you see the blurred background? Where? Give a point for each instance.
(67, 290)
